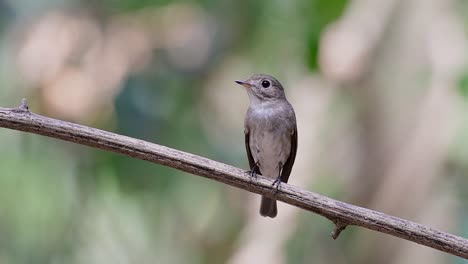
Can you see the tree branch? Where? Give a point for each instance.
(342, 214)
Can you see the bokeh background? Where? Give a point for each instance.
(380, 90)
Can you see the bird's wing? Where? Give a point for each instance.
(287, 167)
(249, 153)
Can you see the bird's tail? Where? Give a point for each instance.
(268, 207)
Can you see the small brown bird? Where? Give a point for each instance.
(270, 133)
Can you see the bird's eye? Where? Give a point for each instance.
(265, 84)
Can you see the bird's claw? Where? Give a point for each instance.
(277, 182)
(252, 174)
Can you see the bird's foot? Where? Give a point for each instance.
(253, 171)
(277, 182)
(252, 174)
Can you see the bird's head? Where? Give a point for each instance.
(263, 88)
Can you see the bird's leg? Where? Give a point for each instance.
(252, 172)
(277, 182)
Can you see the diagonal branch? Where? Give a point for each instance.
(342, 214)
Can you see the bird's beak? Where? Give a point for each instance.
(246, 84)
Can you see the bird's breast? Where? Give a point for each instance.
(270, 129)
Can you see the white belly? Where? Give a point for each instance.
(271, 149)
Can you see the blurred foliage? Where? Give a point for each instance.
(463, 86)
(320, 14)
(128, 5)
(65, 203)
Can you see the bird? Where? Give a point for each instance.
(270, 130)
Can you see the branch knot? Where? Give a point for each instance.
(340, 225)
(23, 108)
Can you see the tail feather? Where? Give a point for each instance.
(268, 207)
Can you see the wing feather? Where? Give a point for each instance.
(287, 167)
(249, 153)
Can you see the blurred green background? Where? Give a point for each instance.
(380, 90)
